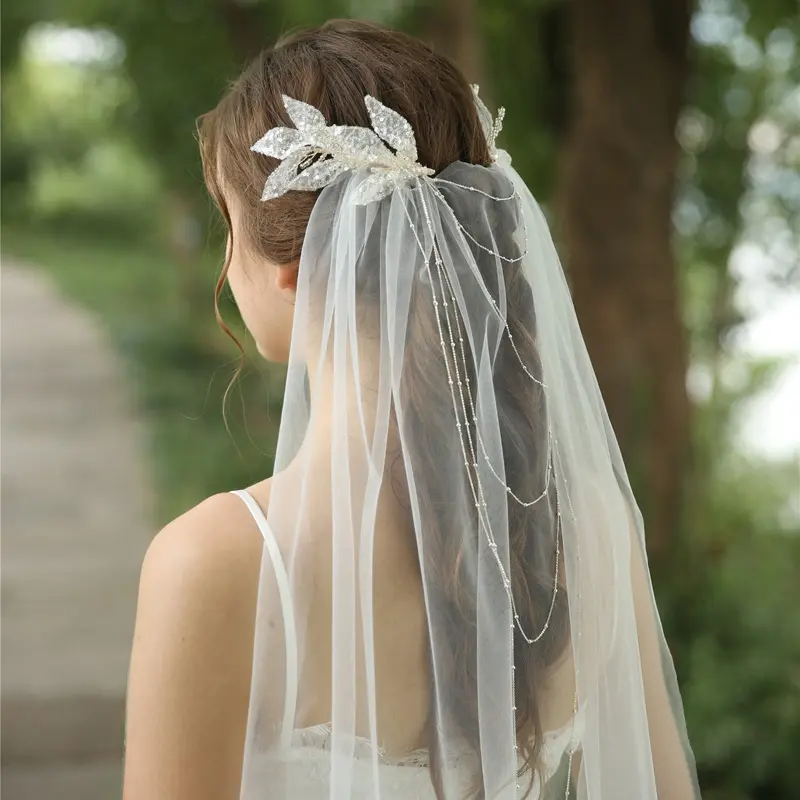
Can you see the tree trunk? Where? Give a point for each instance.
(452, 29)
(247, 29)
(630, 65)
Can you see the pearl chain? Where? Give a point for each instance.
(465, 401)
(509, 259)
(444, 278)
(464, 231)
(474, 189)
(478, 496)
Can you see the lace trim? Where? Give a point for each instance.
(320, 737)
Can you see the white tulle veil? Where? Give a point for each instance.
(437, 367)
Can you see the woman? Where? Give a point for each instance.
(442, 591)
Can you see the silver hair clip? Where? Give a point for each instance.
(313, 153)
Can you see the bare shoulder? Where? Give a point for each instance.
(199, 582)
(189, 677)
(211, 546)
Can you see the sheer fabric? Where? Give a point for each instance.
(439, 394)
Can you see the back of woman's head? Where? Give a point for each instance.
(331, 68)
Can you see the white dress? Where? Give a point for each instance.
(300, 766)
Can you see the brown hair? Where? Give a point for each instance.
(332, 67)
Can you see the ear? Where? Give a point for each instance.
(286, 276)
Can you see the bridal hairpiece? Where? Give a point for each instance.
(313, 154)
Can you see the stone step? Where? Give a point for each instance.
(77, 518)
(42, 730)
(96, 780)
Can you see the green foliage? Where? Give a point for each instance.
(180, 56)
(741, 135)
(81, 168)
(728, 599)
(740, 637)
(741, 701)
(111, 189)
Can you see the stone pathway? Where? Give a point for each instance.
(76, 520)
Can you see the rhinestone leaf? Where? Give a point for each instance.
(498, 123)
(278, 142)
(392, 128)
(278, 182)
(342, 148)
(317, 175)
(491, 126)
(360, 140)
(484, 115)
(374, 187)
(304, 116)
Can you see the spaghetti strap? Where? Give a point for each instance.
(285, 594)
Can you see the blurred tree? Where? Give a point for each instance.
(740, 177)
(728, 606)
(452, 25)
(617, 190)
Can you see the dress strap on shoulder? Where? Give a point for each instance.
(285, 594)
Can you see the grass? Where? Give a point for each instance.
(160, 316)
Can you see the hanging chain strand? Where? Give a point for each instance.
(492, 301)
(478, 495)
(480, 502)
(473, 414)
(465, 412)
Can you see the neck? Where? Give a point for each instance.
(350, 448)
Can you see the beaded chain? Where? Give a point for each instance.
(464, 409)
